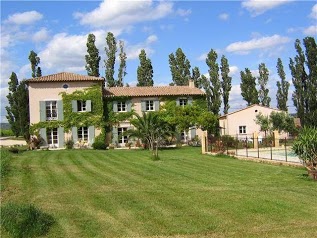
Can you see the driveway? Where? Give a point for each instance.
(7, 141)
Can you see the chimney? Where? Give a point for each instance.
(191, 83)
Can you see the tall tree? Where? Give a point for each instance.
(282, 87)
(111, 50)
(196, 77)
(35, 61)
(180, 67)
(213, 71)
(18, 109)
(123, 66)
(225, 83)
(205, 83)
(248, 87)
(92, 58)
(305, 83)
(263, 90)
(145, 71)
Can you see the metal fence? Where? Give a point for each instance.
(267, 147)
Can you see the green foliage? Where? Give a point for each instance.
(69, 144)
(100, 142)
(264, 122)
(145, 70)
(209, 122)
(92, 58)
(213, 71)
(122, 67)
(196, 77)
(282, 87)
(180, 67)
(248, 87)
(225, 83)
(6, 132)
(263, 80)
(25, 220)
(111, 50)
(305, 146)
(281, 121)
(5, 163)
(35, 61)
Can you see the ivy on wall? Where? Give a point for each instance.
(76, 119)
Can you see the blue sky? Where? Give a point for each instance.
(246, 32)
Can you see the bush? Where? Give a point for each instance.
(25, 220)
(99, 143)
(14, 150)
(6, 132)
(229, 141)
(69, 144)
(5, 163)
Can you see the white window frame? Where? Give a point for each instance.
(81, 106)
(149, 105)
(51, 110)
(83, 133)
(121, 106)
(52, 137)
(122, 139)
(242, 129)
(183, 102)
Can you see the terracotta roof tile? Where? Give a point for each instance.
(152, 91)
(64, 77)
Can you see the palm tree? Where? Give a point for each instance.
(150, 128)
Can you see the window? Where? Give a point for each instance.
(81, 106)
(149, 105)
(122, 107)
(51, 110)
(242, 129)
(183, 102)
(82, 133)
(52, 136)
(122, 138)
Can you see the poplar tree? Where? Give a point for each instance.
(226, 83)
(180, 67)
(196, 77)
(305, 83)
(263, 90)
(111, 50)
(282, 87)
(145, 71)
(35, 61)
(213, 71)
(92, 58)
(248, 87)
(123, 66)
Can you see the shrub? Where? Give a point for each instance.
(305, 146)
(69, 144)
(14, 150)
(6, 132)
(5, 163)
(229, 141)
(25, 220)
(99, 143)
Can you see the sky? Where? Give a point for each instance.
(247, 32)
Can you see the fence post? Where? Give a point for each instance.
(285, 150)
(246, 145)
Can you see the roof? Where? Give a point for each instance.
(152, 91)
(64, 77)
(224, 116)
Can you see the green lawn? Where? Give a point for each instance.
(122, 193)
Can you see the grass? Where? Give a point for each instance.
(123, 193)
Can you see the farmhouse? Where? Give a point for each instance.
(66, 106)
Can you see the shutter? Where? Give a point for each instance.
(177, 101)
(42, 111)
(129, 106)
(192, 133)
(43, 135)
(61, 138)
(156, 105)
(115, 106)
(143, 106)
(74, 105)
(114, 135)
(88, 106)
(91, 134)
(190, 100)
(74, 134)
(60, 111)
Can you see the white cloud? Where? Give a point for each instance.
(244, 47)
(313, 13)
(151, 39)
(133, 51)
(224, 16)
(120, 14)
(258, 7)
(312, 30)
(41, 35)
(233, 70)
(24, 18)
(183, 12)
(202, 57)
